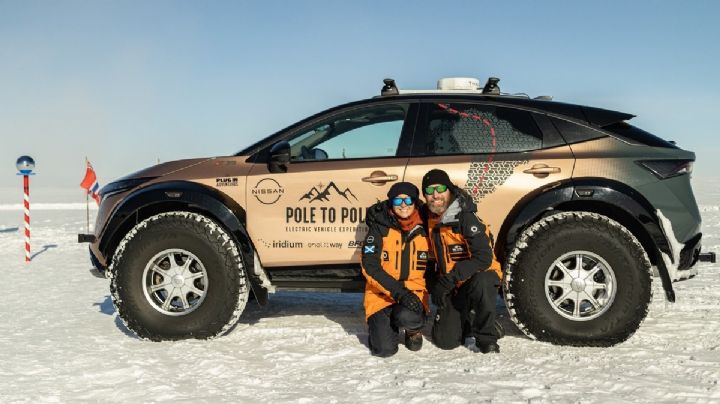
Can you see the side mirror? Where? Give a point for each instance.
(279, 157)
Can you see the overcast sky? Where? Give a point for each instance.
(129, 82)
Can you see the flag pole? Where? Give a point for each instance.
(87, 211)
(87, 204)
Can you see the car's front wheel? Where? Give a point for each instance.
(578, 278)
(178, 275)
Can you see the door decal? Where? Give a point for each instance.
(267, 191)
(315, 195)
(485, 174)
(484, 177)
(333, 210)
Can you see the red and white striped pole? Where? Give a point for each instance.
(26, 188)
(25, 164)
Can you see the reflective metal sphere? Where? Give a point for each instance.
(25, 164)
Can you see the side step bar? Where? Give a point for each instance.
(320, 278)
(335, 285)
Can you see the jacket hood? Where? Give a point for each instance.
(465, 200)
(462, 202)
(379, 213)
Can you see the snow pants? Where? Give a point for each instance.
(383, 328)
(469, 310)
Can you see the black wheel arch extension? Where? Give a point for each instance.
(186, 196)
(610, 198)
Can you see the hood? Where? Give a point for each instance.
(379, 214)
(162, 169)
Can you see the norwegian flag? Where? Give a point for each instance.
(90, 184)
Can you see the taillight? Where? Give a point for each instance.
(668, 168)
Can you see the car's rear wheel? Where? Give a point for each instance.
(578, 278)
(178, 275)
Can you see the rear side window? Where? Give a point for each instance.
(636, 135)
(478, 129)
(574, 133)
(551, 136)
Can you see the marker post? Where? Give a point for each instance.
(25, 165)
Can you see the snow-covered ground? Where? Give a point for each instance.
(60, 341)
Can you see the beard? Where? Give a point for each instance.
(438, 209)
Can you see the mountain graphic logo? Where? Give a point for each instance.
(316, 195)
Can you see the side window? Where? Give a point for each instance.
(479, 129)
(636, 135)
(574, 133)
(551, 136)
(369, 132)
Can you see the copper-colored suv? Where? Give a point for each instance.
(584, 208)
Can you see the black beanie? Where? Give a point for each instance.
(436, 176)
(403, 188)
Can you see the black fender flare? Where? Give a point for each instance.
(599, 195)
(184, 195)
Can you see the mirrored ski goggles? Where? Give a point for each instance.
(439, 188)
(399, 201)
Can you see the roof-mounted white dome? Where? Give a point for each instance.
(458, 83)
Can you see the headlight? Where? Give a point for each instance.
(122, 185)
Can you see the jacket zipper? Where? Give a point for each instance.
(405, 263)
(439, 252)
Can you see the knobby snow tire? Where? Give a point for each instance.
(550, 238)
(227, 292)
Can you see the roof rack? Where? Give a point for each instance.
(455, 85)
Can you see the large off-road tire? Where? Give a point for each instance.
(178, 275)
(578, 278)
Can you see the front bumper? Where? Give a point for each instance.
(98, 270)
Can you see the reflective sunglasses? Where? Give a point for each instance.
(439, 188)
(398, 201)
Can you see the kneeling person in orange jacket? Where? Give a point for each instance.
(395, 255)
(465, 284)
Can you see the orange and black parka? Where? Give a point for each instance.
(462, 243)
(393, 259)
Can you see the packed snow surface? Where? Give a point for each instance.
(61, 341)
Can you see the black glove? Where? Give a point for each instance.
(410, 300)
(440, 288)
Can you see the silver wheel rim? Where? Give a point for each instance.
(580, 285)
(175, 282)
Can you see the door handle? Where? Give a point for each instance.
(380, 178)
(542, 170)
